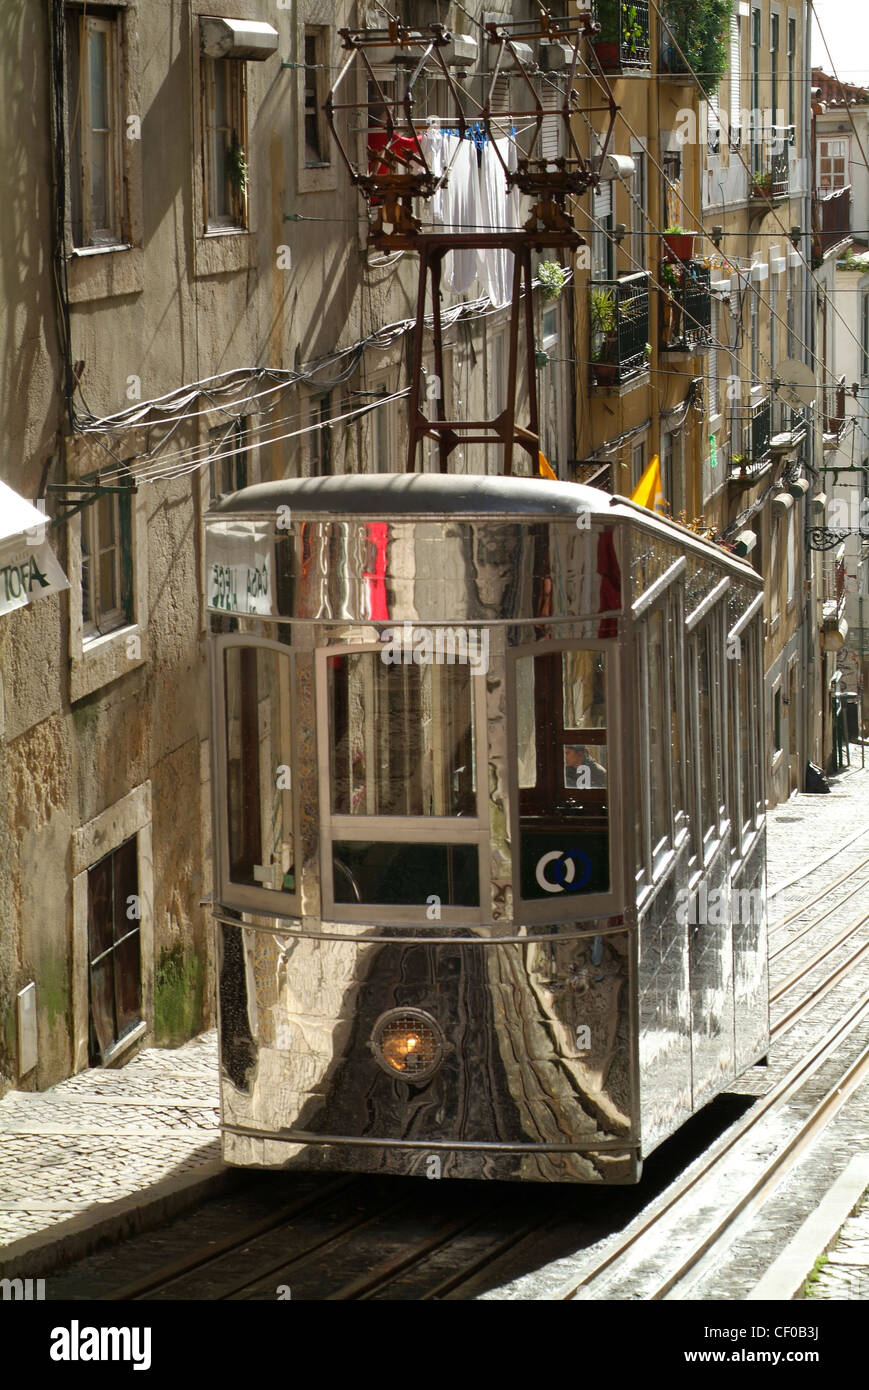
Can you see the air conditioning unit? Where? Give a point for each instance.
(461, 51)
(612, 166)
(553, 56)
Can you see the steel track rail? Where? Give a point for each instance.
(711, 1166)
(864, 883)
(798, 975)
(818, 864)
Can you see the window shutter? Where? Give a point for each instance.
(713, 124)
(603, 202)
(735, 82)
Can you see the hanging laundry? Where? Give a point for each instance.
(500, 210)
(463, 212)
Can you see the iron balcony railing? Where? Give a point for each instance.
(750, 434)
(832, 218)
(834, 407)
(686, 306)
(623, 41)
(771, 177)
(833, 585)
(619, 328)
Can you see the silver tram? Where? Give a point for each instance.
(488, 826)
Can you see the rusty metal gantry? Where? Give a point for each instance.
(398, 171)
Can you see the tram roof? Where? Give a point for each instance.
(422, 495)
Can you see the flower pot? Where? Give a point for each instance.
(608, 55)
(680, 244)
(605, 373)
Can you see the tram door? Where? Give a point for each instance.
(561, 725)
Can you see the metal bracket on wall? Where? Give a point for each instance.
(72, 501)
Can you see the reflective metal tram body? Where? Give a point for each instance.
(489, 836)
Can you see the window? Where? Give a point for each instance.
(792, 80)
(314, 95)
(320, 437)
(792, 709)
(735, 81)
(224, 144)
(789, 310)
(755, 335)
(776, 720)
(93, 96)
(833, 165)
(401, 817)
(228, 467)
(756, 116)
(260, 839)
(714, 385)
(864, 336)
(638, 210)
(638, 463)
(792, 558)
(602, 267)
(114, 950)
(106, 599)
(563, 773)
(671, 164)
(774, 41)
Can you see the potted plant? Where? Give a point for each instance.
(679, 242)
(604, 334)
(761, 184)
(552, 277)
(671, 308)
(701, 29)
(606, 44)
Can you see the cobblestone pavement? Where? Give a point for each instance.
(102, 1135)
(846, 1273)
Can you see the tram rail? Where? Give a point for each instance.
(352, 1238)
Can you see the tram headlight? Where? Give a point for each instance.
(408, 1043)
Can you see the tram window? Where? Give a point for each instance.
(402, 738)
(406, 874)
(708, 733)
(677, 715)
(561, 753)
(746, 795)
(258, 760)
(658, 707)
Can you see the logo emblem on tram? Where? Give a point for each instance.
(570, 871)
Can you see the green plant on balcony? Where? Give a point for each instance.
(701, 29)
(603, 322)
(552, 277)
(761, 184)
(621, 31)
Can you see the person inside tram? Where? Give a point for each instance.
(581, 769)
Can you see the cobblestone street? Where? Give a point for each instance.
(108, 1134)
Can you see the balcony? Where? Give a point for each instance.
(833, 589)
(750, 451)
(686, 307)
(793, 428)
(835, 417)
(771, 179)
(618, 328)
(831, 213)
(623, 41)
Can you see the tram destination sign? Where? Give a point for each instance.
(239, 569)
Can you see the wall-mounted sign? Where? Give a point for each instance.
(28, 566)
(239, 569)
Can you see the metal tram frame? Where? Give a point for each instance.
(547, 1024)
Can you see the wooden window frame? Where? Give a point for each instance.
(103, 621)
(236, 220)
(314, 81)
(108, 22)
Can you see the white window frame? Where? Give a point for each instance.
(831, 148)
(458, 830)
(242, 896)
(592, 905)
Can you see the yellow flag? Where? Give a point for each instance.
(545, 468)
(648, 492)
